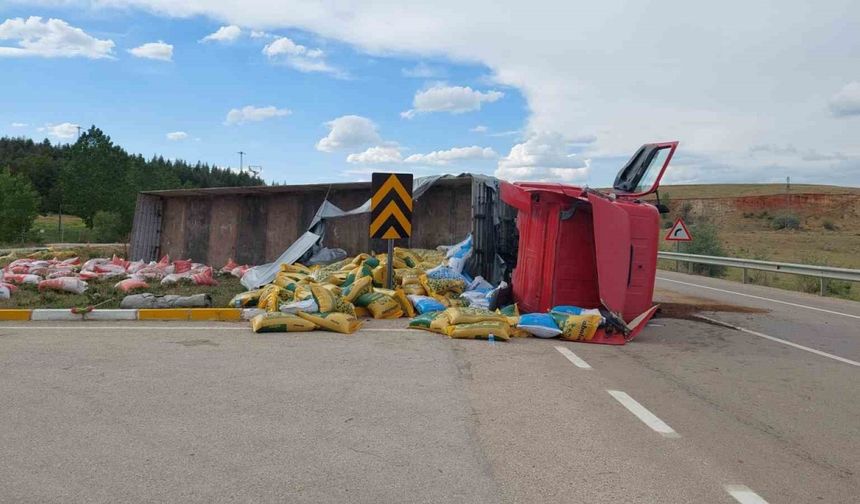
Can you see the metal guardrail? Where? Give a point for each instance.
(821, 272)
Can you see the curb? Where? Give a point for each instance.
(65, 314)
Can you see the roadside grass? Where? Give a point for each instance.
(102, 291)
(683, 191)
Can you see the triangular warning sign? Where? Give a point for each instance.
(679, 232)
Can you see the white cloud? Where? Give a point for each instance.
(18, 125)
(423, 71)
(479, 129)
(376, 155)
(53, 38)
(229, 33)
(256, 34)
(175, 136)
(847, 101)
(444, 157)
(349, 132)
(391, 154)
(453, 99)
(284, 50)
(544, 156)
(62, 131)
(251, 113)
(154, 50)
(718, 107)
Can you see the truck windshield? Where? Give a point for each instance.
(649, 176)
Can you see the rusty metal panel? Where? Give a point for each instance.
(443, 214)
(251, 238)
(223, 229)
(146, 229)
(173, 227)
(197, 230)
(284, 223)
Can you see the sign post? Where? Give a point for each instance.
(391, 212)
(679, 233)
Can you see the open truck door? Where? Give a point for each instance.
(592, 249)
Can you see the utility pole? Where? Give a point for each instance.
(79, 132)
(241, 161)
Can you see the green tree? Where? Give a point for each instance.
(96, 177)
(19, 206)
(706, 241)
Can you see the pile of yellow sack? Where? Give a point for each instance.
(472, 323)
(335, 296)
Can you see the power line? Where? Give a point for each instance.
(241, 161)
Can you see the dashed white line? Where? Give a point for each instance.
(798, 305)
(744, 495)
(779, 340)
(648, 418)
(572, 357)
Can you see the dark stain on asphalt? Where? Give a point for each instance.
(196, 342)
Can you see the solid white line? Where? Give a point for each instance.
(778, 340)
(761, 297)
(572, 357)
(744, 495)
(650, 419)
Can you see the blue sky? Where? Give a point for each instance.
(753, 100)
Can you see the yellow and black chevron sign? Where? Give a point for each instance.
(391, 206)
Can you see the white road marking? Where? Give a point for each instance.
(744, 495)
(779, 340)
(761, 297)
(648, 418)
(572, 357)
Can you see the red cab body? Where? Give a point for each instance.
(590, 249)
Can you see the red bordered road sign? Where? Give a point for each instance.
(679, 232)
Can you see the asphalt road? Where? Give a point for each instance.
(134, 412)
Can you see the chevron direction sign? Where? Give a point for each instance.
(391, 206)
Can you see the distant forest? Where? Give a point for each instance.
(95, 175)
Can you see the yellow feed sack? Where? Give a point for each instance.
(284, 280)
(380, 305)
(480, 330)
(577, 327)
(380, 275)
(430, 321)
(243, 299)
(334, 288)
(271, 297)
(405, 304)
(466, 315)
(295, 268)
(442, 286)
(337, 322)
(359, 287)
(415, 289)
(280, 322)
(328, 301)
(362, 312)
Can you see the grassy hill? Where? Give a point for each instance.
(827, 234)
(736, 190)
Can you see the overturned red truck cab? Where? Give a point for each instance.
(592, 249)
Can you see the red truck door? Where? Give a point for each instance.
(613, 251)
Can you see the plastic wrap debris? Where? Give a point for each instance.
(5, 291)
(147, 300)
(541, 325)
(305, 305)
(327, 256)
